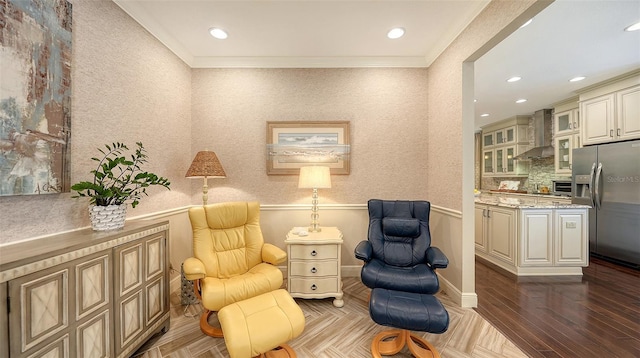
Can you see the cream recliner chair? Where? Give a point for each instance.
(232, 262)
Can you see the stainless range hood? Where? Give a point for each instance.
(542, 122)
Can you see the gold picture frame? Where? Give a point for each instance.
(294, 144)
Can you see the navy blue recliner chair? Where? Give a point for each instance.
(399, 267)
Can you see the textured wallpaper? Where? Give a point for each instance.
(386, 107)
(127, 87)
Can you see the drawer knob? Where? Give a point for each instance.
(314, 287)
(313, 270)
(313, 253)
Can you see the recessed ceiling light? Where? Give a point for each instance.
(484, 115)
(514, 79)
(526, 23)
(395, 33)
(576, 79)
(521, 100)
(634, 27)
(218, 33)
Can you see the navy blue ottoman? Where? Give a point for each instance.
(406, 311)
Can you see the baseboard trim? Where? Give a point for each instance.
(464, 299)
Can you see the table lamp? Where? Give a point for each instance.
(314, 177)
(205, 165)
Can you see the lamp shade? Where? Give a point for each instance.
(206, 164)
(314, 177)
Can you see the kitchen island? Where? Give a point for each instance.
(532, 235)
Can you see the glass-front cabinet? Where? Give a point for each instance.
(566, 125)
(488, 139)
(487, 160)
(501, 143)
(506, 136)
(567, 122)
(564, 146)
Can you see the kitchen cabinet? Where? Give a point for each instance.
(66, 293)
(530, 237)
(495, 232)
(566, 126)
(571, 226)
(502, 142)
(611, 111)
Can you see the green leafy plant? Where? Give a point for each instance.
(118, 180)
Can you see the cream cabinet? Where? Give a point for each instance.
(611, 111)
(496, 232)
(570, 229)
(314, 264)
(538, 239)
(64, 292)
(566, 125)
(501, 143)
(554, 238)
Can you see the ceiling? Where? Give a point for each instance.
(567, 39)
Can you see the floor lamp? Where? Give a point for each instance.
(205, 165)
(314, 177)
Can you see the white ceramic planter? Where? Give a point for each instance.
(107, 217)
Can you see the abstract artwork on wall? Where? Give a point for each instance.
(35, 96)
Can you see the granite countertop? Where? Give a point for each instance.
(527, 201)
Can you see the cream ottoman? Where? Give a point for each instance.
(261, 324)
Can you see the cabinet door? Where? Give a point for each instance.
(571, 246)
(628, 120)
(536, 238)
(141, 278)
(563, 122)
(563, 157)
(500, 160)
(502, 233)
(480, 228)
(488, 163)
(63, 310)
(597, 120)
(488, 139)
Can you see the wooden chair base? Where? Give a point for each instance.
(208, 329)
(284, 351)
(392, 341)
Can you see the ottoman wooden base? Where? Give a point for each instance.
(261, 326)
(392, 341)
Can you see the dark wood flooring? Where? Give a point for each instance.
(596, 315)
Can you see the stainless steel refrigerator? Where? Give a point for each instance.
(607, 177)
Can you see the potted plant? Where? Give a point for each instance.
(117, 181)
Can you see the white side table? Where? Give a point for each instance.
(314, 263)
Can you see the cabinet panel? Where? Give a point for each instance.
(480, 229)
(537, 238)
(502, 234)
(628, 120)
(597, 120)
(155, 300)
(43, 313)
(571, 249)
(93, 279)
(129, 266)
(94, 337)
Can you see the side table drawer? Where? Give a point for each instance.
(314, 252)
(314, 268)
(314, 285)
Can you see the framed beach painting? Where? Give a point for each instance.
(294, 144)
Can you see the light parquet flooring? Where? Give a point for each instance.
(332, 332)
